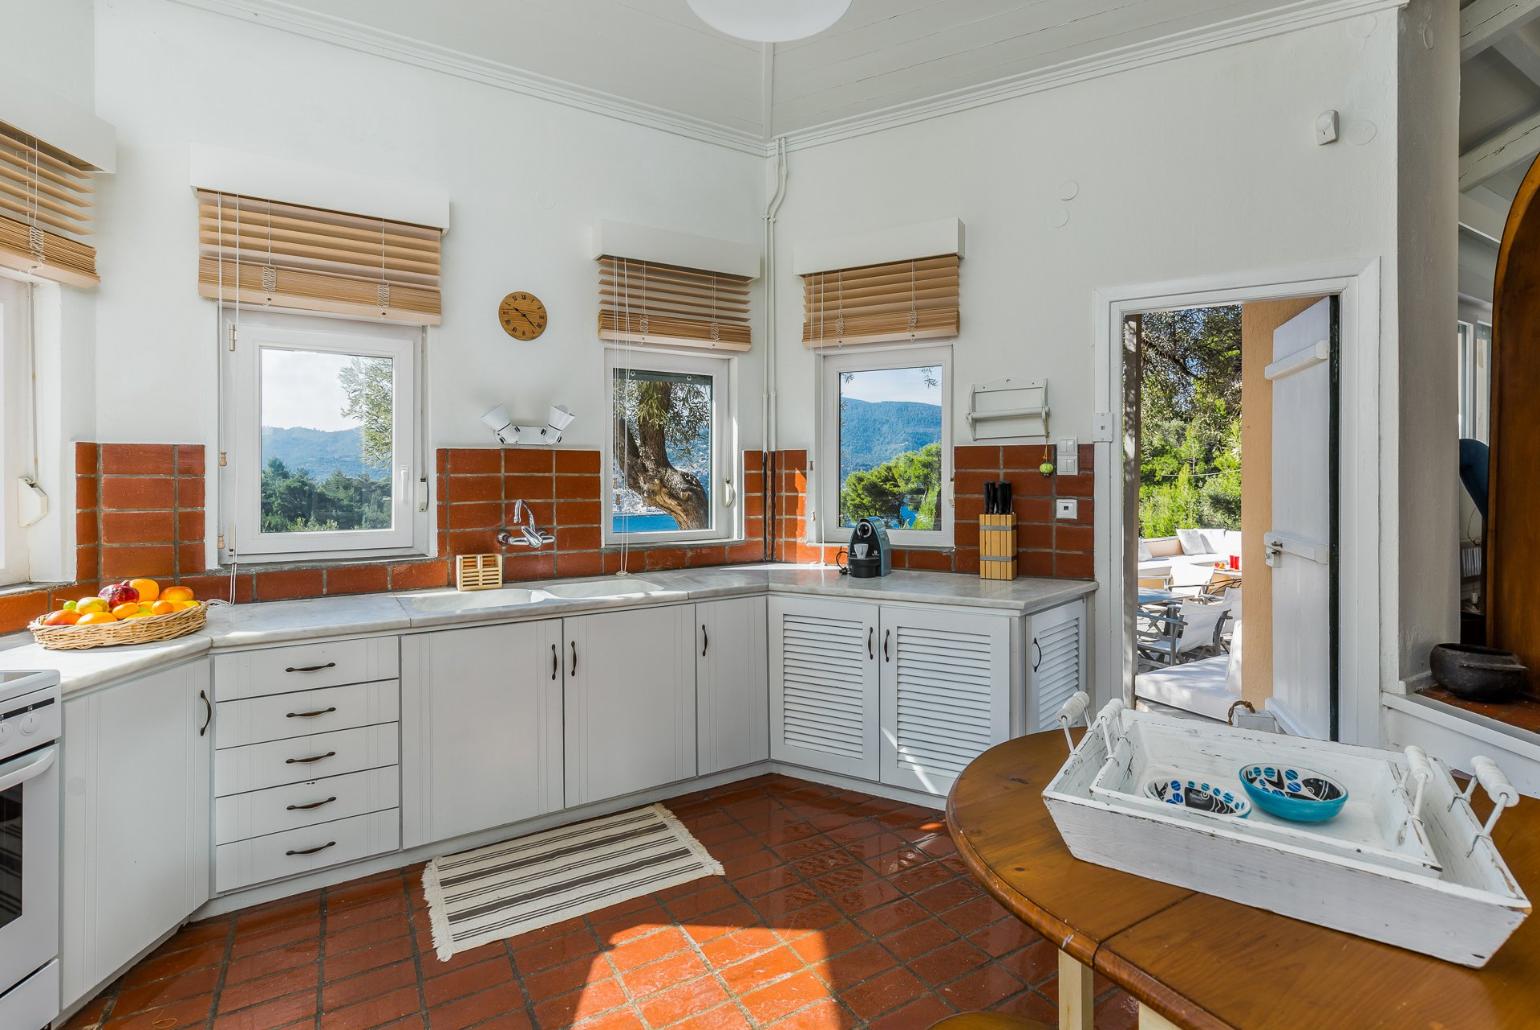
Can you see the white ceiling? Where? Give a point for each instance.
(883, 52)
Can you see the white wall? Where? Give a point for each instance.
(50, 43)
(526, 179)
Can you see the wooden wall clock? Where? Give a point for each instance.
(522, 315)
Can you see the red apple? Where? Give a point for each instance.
(118, 593)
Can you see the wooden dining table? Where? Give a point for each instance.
(1193, 960)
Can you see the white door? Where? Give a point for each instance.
(630, 701)
(1056, 662)
(137, 801)
(824, 684)
(731, 684)
(945, 695)
(1298, 542)
(481, 737)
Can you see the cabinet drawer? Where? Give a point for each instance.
(299, 759)
(280, 670)
(305, 713)
(259, 812)
(299, 851)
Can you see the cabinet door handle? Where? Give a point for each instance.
(311, 715)
(871, 632)
(887, 635)
(313, 804)
(311, 851)
(1039, 659)
(574, 657)
(705, 640)
(311, 668)
(208, 712)
(307, 761)
(555, 662)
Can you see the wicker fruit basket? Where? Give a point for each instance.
(146, 630)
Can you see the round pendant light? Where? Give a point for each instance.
(770, 21)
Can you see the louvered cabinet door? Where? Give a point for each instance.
(823, 684)
(945, 693)
(1056, 661)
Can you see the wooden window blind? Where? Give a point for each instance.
(645, 302)
(901, 300)
(45, 210)
(309, 259)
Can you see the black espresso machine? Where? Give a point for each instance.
(870, 554)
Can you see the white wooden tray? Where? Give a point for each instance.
(1376, 824)
(1462, 913)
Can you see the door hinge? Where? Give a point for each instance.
(233, 329)
(224, 459)
(219, 542)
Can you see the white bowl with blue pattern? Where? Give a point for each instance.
(1198, 795)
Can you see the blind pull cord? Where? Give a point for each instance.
(35, 238)
(383, 291)
(914, 314)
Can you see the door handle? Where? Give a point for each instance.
(1039, 659)
(313, 804)
(555, 662)
(35, 765)
(574, 657)
(887, 635)
(208, 712)
(311, 851)
(308, 761)
(871, 631)
(311, 715)
(311, 668)
(705, 640)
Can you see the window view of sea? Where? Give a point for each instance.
(657, 522)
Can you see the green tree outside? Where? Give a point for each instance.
(909, 480)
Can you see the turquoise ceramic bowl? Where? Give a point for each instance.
(1292, 793)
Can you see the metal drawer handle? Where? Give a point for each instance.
(307, 761)
(870, 632)
(311, 668)
(1039, 659)
(311, 851)
(574, 657)
(311, 715)
(208, 713)
(313, 804)
(887, 635)
(705, 640)
(555, 662)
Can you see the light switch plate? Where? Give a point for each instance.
(1067, 460)
(1066, 508)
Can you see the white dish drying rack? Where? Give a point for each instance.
(1406, 862)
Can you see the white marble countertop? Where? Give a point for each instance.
(276, 622)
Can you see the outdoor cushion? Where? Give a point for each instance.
(1193, 541)
(1144, 551)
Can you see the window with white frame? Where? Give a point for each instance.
(885, 444)
(15, 429)
(670, 455)
(321, 427)
(1475, 347)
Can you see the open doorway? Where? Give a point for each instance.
(1231, 509)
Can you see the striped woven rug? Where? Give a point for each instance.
(529, 882)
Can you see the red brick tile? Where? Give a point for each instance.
(1117, 1011)
(577, 513)
(474, 515)
(976, 457)
(1074, 566)
(681, 1001)
(577, 461)
(1073, 537)
(137, 459)
(189, 459)
(948, 962)
(579, 563)
(528, 461)
(19, 608)
(86, 492)
(932, 561)
(475, 488)
(420, 575)
(577, 488)
(138, 527)
(137, 493)
(282, 585)
(529, 488)
(190, 525)
(474, 460)
(1026, 456)
(578, 538)
(189, 492)
(86, 456)
(521, 567)
(131, 561)
(86, 530)
(357, 579)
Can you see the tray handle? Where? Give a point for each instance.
(1422, 771)
(1495, 783)
(1076, 707)
(1111, 714)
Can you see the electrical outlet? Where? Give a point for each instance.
(1067, 457)
(1066, 508)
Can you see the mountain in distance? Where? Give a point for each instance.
(872, 432)
(319, 451)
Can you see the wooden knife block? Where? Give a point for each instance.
(997, 546)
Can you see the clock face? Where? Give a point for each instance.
(522, 315)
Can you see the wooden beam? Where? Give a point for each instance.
(1516, 144)
(1484, 22)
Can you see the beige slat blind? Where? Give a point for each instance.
(283, 255)
(45, 210)
(645, 302)
(901, 300)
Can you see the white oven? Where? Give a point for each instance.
(30, 723)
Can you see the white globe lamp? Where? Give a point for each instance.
(770, 21)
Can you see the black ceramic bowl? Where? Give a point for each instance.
(1477, 673)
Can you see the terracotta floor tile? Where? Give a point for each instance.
(593, 999)
(381, 1010)
(982, 988)
(621, 1019)
(470, 1010)
(950, 894)
(366, 936)
(891, 918)
(342, 965)
(830, 940)
(548, 954)
(851, 967)
(1118, 1011)
(827, 1014)
(496, 971)
(648, 949)
(919, 1014)
(162, 992)
(761, 969)
(921, 938)
(767, 1004)
(682, 1001)
(265, 988)
(1036, 963)
(270, 1014)
(739, 945)
(723, 1017)
(558, 980)
(949, 962)
(342, 993)
(655, 976)
(174, 963)
(186, 1012)
(1032, 1005)
(883, 993)
(263, 963)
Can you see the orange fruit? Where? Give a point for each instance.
(97, 619)
(148, 589)
(123, 611)
(89, 605)
(176, 594)
(163, 607)
(186, 604)
(61, 618)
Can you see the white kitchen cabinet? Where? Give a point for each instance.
(1055, 660)
(731, 684)
(137, 801)
(481, 728)
(630, 701)
(945, 695)
(824, 684)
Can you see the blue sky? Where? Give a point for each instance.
(893, 384)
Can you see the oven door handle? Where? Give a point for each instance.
(30, 767)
